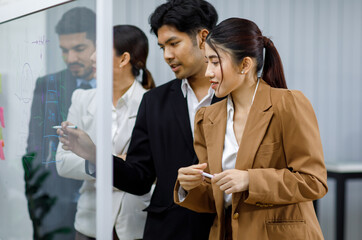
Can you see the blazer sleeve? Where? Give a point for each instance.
(305, 177)
(68, 164)
(199, 199)
(136, 174)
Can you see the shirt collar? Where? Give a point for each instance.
(230, 108)
(126, 96)
(92, 82)
(185, 87)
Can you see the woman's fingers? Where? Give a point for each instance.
(190, 177)
(232, 181)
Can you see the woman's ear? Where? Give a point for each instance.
(124, 59)
(201, 37)
(246, 65)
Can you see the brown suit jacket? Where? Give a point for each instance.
(282, 151)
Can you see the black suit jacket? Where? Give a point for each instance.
(162, 143)
(51, 101)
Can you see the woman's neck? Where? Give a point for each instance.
(243, 95)
(121, 83)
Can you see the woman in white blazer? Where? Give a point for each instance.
(130, 52)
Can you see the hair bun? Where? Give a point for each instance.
(267, 42)
(140, 65)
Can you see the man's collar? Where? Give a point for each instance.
(185, 85)
(92, 82)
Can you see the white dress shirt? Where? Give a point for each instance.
(231, 146)
(193, 104)
(119, 113)
(92, 82)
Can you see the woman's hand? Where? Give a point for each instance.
(232, 180)
(190, 177)
(77, 141)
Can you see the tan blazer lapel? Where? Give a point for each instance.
(214, 132)
(255, 129)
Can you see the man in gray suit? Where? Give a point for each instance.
(52, 97)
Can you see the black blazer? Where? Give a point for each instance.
(50, 104)
(162, 143)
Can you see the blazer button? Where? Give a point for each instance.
(236, 215)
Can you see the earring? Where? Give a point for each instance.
(242, 71)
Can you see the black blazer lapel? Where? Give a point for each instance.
(66, 84)
(181, 112)
(216, 99)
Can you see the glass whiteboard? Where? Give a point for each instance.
(35, 94)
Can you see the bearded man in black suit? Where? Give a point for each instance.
(52, 98)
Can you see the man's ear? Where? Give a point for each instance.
(201, 37)
(124, 59)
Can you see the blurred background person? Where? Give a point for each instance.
(52, 97)
(130, 52)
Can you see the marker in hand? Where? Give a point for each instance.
(57, 127)
(207, 175)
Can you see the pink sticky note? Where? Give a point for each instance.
(2, 156)
(2, 117)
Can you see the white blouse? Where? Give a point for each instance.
(231, 146)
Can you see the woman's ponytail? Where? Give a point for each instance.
(131, 39)
(273, 72)
(243, 38)
(147, 79)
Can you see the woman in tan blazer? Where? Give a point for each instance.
(261, 145)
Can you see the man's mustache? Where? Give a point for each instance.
(75, 64)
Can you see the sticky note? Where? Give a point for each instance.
(1, 133)
(2, 117)
(2, 156)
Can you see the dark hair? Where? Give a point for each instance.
(187, 16)
(78, 20)
(131, 39)
(242, 38)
